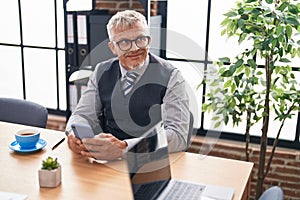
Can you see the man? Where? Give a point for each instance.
(120, 106)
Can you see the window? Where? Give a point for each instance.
(32, 52)
(194, 41)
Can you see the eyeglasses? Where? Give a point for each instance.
(126, 44)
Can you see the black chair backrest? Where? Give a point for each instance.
(23, 112)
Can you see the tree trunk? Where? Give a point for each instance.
(260, 178)
(248, 125)
(265, 127)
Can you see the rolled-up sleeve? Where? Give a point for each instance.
(89, 106)
(175, 112)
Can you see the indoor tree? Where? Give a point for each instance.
(250, 91)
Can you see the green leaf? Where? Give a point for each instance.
(217, 124)
(233, 88)
(251, 63)
(269, 1)
(274, 43)
(224, 60)
(293, 75)
(232, 69)
(214, 83)
(289, 31)
(250, 1)
(231, 14)
(239, 63)
(241, 23)
(215, 118)
(50, 163)
(237, 80)
(226, 119)
(293, 9)
(283, 6)
(204, 107)
(240, 69)
(245, 17)
(241, 11)
(223, 32)
(279, 30)
(226, 73)
(291, 20)
(233, 103)
(225, 22)
(247, 71)
(293, 53)
(259, 73)
(227, 84)
(285, 60)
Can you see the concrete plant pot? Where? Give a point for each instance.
(50, 178)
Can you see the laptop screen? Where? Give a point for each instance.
(148, 164)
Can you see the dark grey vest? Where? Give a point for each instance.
(131, 115)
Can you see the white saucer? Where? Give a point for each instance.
(16, 147)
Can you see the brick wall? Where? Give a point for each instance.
(114, 5)
(56, 122)
(285, 168)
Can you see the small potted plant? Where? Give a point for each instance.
(50, 173)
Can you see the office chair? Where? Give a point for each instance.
(273, 193)
(23, 112)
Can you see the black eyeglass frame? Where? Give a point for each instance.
(135, 41)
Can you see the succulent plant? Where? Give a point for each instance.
(50, 163)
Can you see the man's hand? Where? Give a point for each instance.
(75, 144)
(103, 147)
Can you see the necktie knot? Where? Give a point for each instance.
(129, 80)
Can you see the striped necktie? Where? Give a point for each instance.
(129, 80)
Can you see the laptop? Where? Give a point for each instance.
(150, 173)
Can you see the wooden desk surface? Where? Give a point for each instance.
(84, 180)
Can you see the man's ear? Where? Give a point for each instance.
(112, 48)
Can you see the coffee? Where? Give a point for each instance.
(24, 134)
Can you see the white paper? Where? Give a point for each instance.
(79, 75)
(12, 196)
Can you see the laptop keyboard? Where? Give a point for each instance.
(185, 191)
(147, 191)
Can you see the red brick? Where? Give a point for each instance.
(293, 163)
(285, 177)
(292, 194)
(123, 5)
(286, 185)
(106, 5)
(287, 170)
(137, 5)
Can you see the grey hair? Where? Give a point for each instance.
(123, 20)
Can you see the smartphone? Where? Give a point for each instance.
(82, 131)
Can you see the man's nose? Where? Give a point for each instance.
(134, 46)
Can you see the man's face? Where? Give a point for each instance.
(134, 56)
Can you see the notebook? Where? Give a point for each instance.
(150, 173)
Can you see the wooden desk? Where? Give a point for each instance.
(83, 180)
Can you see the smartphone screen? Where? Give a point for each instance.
(82, 131)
